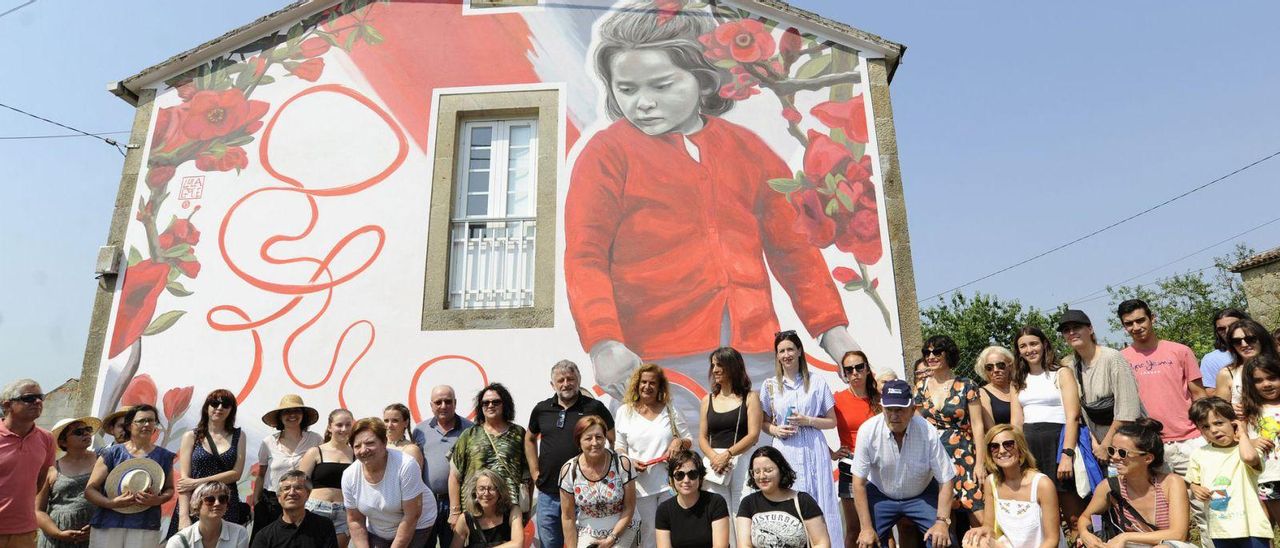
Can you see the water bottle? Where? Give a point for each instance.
(1112, 472)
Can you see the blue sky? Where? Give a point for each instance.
(1020, 126)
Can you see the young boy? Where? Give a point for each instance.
(1224, 474)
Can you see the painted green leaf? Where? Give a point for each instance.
(177, 289)
(239, 141)
(372, 36)
(844, 200)
(333, 41)
(726, 63)
(163, 322)
(173, 274)
(295, 32)
(838, 136)
(857, 149)
(351, 38)
(265, 80)
(815, 67)
(831, 182)
(176, 251)
(134, 256)
(784, 185)
(832, 208)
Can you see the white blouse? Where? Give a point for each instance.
(278, 459)
(1042, 400)
(644, 440)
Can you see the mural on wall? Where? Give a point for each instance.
(718, 182)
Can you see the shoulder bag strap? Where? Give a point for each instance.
(737, 424)
(497, 456)
(1114, 483)
(800, 516)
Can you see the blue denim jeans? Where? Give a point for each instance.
(921, 509)
(547, 520)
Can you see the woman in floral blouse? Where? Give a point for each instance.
(951, 405)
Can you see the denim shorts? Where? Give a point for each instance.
(332, 511)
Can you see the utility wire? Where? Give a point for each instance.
(106, 140)
(1106, 228)
(16, 8)
(1091, 299)
(1090, 296)
(58, 136)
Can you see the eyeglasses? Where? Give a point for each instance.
(932, 352)
(858, 367)
(560, 421)
(783, 334)
(222, 404)
(1007, 445)
(443, 401)
(486, 489)
(145, 422)
(1000, 366)
(490, 403)
(29, 398)
(1124, 453)
(216, 499)
(82, 431)
(1249, 340)
(757, 472)
(680, 475)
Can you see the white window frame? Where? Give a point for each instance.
(506, 282)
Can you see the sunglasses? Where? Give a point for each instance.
(787, 333)
(29, 398)
(83, 430)
(932, 352)
(859, 367)
(1001, 366)
(1245, 340)
(1007, 445)
(680, 475)
(222, 404)
(1124, 453)
(560, 421)
(490, 403)
(218, 499)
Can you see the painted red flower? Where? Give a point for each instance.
(845, 275)
(313, 47)
(746, 40)
(791, 115)
(143, 283)
(158, 176)
(190, 269)
(308, 70)
(259, 65)
(667, 9)
(850, 116)
(180, 231)
(822, 156)
(176, 401)
(168, 135)
(859, 234)
(186, 91)
(212, 114)
(141, 390)
(811, 219)
(790, 45)
(225, 159)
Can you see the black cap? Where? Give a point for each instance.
(1073, 316)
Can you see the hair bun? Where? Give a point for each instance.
(1148, 423)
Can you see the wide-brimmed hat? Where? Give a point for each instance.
(291, 401)
(134, 476)
(91, 422)
(110, 418)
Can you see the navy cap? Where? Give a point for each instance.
(897, 393)
(1073, 316)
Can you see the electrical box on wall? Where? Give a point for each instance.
(108, 260)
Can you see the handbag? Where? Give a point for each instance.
(524, 500)
(716, 477)
(1085, 469)
(1102, 410)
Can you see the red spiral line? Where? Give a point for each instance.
(321, 264)
(414, 411)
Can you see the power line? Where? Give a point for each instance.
(1090, 297)
(1106, 228)
(1189, 272)
(106, 140)
(16, 8)
(58, 136)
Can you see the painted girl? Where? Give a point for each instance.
(671, 228)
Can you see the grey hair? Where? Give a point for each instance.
(981, 367)
(14, 389)
(203, 490)
(296, 474)
(635, 26)
(566, 365)
(472, 504)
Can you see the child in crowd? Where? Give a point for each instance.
(1224, 474)
(1261, 405)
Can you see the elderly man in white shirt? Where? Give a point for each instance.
(900, 470)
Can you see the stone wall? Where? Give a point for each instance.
(60, 403)
(1262, 289)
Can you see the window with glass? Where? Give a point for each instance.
(494, 222)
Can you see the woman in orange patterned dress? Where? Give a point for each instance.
(952, 406)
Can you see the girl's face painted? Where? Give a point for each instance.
(654, 94)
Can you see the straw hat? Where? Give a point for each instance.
(135, 475)
(112, 418)
(291, 401)
(91, 422)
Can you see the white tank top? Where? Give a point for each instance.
(1019, 520)
(1042, 400)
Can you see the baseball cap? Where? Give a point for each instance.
(1073, 316)
(897, 393)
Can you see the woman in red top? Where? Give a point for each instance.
(854, 405)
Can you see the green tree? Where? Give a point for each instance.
(978, 321)
(1184, 304)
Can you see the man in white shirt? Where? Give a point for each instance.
(900, 470)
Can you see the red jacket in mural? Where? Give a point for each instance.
(660, 245)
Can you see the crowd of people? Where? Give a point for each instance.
(1102, 448)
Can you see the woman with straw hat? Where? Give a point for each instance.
(61, 510)
(129, 483)
(280, 453)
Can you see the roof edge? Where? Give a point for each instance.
(891, 50)
(1260, 259)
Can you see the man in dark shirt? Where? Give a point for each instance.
(296, 528)
(548, 444)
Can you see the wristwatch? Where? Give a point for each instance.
(1070, 452)
(945, 519)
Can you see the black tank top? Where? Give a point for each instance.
(483, 538)
(1001, 411)
(328, 474)
(720, 426)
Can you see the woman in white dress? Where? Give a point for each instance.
(1022, 503)
(650, 430)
